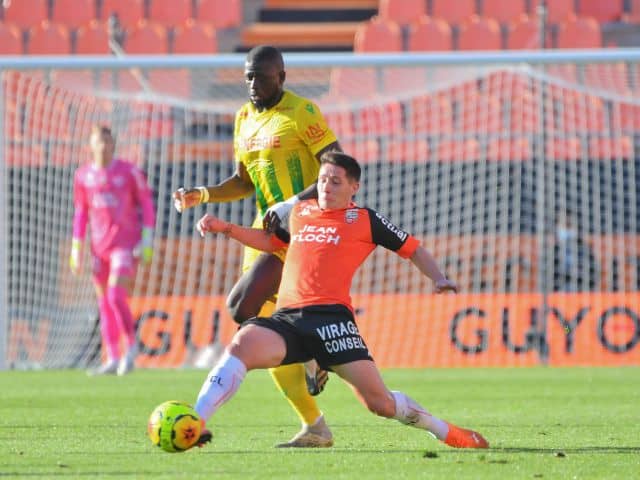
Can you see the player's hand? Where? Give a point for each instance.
(210, 224)
(76, 256)
(187, 198)
(445, 285)
(278, 215)
(144, 249)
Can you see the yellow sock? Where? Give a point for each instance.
(290, 380)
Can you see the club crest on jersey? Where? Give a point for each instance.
(305, 211)
(351, 215)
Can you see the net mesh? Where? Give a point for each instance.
(520, 179)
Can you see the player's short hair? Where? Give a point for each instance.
(263, 53)
(102, 130)
(343, 160)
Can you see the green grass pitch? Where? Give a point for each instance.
(546, 423)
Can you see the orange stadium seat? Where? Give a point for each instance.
(129, 12)
(415, 150)
(602, 10)
(73, 13)
(93, 39)
(366, 150)
(220, 13)
(10, 39)
(633, 16)
(557, 10)
(353, 83)
(384, 119)
(567, 72)
(26, 14)
(431, 115)
(430, 34)
(176, 82)
(506, 150)
(341, 122)
(578, 113)
(610, 147)
(524, 34)
(566, 148)
(608, 77)
(401, 80)
(479, 34)
(170, 12)
(504, 11)
(49, 39)
(402, 11)
(480, 114)
(453, 11)
(579, 33)
(147, 37)
(458, 150)
(625, 117)
(194, 37)
(378, 35)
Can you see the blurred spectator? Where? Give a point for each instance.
(575, 267)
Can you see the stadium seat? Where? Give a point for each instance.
(608, 77)
(364, 150)
(147, 37)
(479, 34)
(353, 83)
(506, 84)
(49, 39)
(194, 37)
(625, 117)
(524, 34)
(602, 11)
(170, 12)
(403, 12)
(26, 14)
(76, 80)
(174, 82)
(458, 150)
(579, 33)
(430, 115)
(378, 35)
(93, 39)
(633, 15)
(504, 11)
(430, 34)
(507, 150)
(10, 39)
(341, 122)
(567, 72)
(220, 13)
(129, 12)
(565, 148)
(73, 13)
(479, 114)
(579, 113)
(557, 10)
(406, 150)
(453, 12)
(381, 119)
(610, 147)
(402, 80)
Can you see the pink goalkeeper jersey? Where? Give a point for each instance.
(117, 202)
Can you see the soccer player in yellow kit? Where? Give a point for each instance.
(279, 138)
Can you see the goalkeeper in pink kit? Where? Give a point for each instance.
(113, 196)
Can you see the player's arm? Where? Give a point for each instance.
(80, 217)
(278, 213)
(235, 187)
(251, 237)
(425, 262)
(145, 198)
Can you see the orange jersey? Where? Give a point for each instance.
(327, 247)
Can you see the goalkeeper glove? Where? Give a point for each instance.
(76, 256)
(144, 250)
(278, 215)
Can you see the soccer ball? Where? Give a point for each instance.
(174, 426)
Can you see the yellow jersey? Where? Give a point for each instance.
(278, 147)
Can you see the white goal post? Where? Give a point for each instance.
(519, 170)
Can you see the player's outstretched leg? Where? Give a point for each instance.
(409, 412)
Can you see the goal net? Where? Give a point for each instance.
(521, 177)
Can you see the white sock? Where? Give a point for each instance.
(409, 412)
(221, 384)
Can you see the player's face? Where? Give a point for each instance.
(335, 188)
(264, 83)
(102, 146)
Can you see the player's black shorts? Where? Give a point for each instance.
(327, 333)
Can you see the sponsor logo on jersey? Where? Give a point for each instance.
(259, 143)
(351, 215)
(309, 108)
(315, 132)
(401, 234)
(316, 234)
(339, 337)
(306, 211)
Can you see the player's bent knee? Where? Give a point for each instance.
(380, 405)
